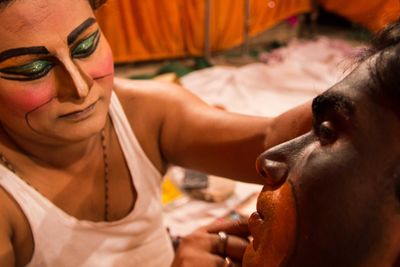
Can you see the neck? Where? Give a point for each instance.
(61, 156)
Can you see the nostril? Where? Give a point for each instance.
(262, 172)
(275, 172)
(260, 167)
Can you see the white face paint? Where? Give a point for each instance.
(56, 70)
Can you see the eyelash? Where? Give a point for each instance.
(86, 51)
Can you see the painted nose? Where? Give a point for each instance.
(79, 83)
(82, 82)
(275, 172)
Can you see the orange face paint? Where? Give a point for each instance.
(274, 228)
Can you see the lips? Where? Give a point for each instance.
(79, 113)
(255, 223)
(274, 229)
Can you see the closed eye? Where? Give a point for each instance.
(28, 72)
(86, 47)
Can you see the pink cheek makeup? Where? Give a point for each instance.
(25, 99)
(103, 65)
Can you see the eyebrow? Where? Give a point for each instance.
(333, 101)
(80, 29)
(41, 50)
(34, 50)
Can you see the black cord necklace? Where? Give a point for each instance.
(106, 187)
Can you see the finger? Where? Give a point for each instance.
(238, 228)
(228, 262)
(199, 259)
(235, 247)
(200, 240)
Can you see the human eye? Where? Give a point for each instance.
(86, 47)
(326, 132)
(30, 71)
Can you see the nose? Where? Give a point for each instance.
(276, 163)
(79, 82)
(275, 172)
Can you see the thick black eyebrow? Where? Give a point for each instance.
(336, 102)
(15, 52)
(41, 50)
(80, 29)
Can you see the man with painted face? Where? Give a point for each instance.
(332, 196)
(82, 154)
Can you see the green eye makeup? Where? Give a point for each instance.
(37, 69)
(31, 71)
(86, 47)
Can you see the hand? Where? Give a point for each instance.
(202, 247)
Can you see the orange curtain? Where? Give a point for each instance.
(373, 14)
(155, 29)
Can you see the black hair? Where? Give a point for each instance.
(384, 53)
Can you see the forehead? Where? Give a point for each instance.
(371, 117)
(347, 96)
(30, 23)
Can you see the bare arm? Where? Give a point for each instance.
(176, 127)
(197, 136)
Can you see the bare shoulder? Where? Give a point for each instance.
(155, 100)
(149, 106)
(158, 102)
(162, 93)
(146, 104)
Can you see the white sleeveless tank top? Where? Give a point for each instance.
(139, 239)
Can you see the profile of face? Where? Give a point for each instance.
(56, 70)
(331, 196)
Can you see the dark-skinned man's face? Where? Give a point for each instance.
(330, 195)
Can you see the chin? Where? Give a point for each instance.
(274, 229)
(65, 132)
(84, 130)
